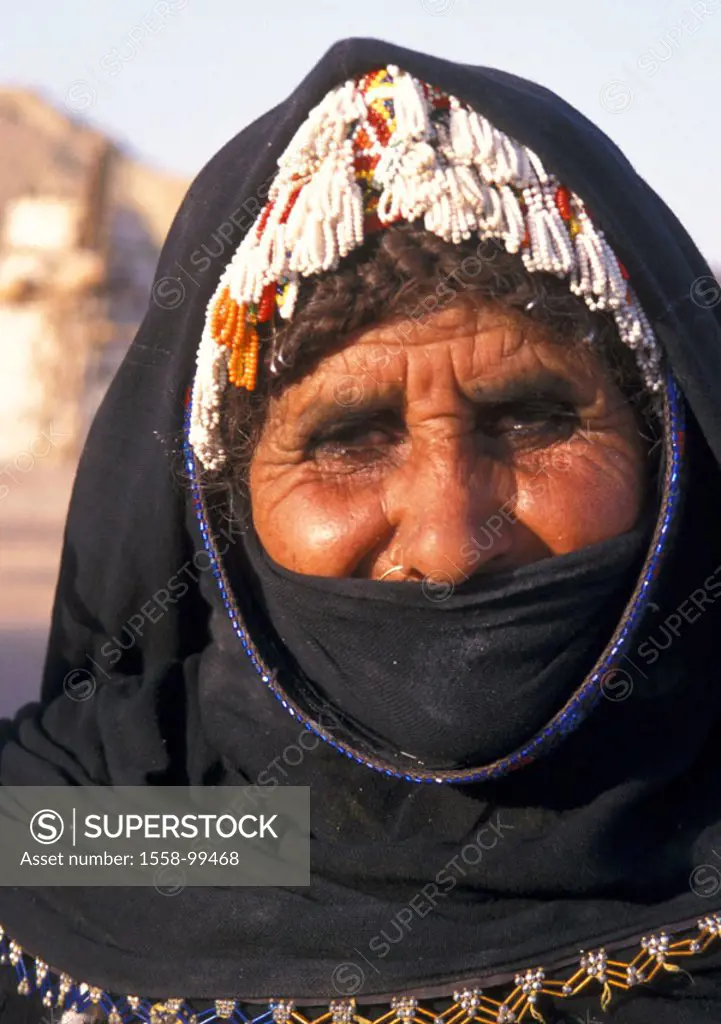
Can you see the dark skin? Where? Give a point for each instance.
(480, 425)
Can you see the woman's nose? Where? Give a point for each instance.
(452, 512)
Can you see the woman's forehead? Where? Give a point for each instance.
(472, 335)
(488, 360)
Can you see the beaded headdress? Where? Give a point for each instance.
(382, 148)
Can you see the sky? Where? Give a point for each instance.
(173, 80)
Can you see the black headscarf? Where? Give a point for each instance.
(594, 844)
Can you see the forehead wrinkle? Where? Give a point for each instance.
(471, 351)
(457, 317)
(462, 318)
(488, 335)
(475, 348)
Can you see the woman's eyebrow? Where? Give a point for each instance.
(326, 411)
(542, 385)
(356, 404)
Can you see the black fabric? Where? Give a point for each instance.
(450, 679)
(594, 843)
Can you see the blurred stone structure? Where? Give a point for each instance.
(81, 225)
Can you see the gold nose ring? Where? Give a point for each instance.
(393, 568)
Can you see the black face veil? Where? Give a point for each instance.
(592, 845)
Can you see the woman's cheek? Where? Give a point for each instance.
(320, 528)
(573, 500)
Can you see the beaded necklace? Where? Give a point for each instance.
(522, 997)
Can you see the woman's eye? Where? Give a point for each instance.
(354, 441)
(534, 428)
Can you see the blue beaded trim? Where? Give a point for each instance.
(576, 709)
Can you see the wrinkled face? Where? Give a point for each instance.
(477, 443)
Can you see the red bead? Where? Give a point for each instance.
(380, 126)
(365, 163)
(289, 206)
(361, 140)
(563, 202)
(372, 223)
(264, 218)
(267, 303)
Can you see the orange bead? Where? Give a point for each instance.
(240, 327)
(251, 361)
(227, 331)
(218, 316)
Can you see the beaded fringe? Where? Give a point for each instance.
(523, 1001)
(383, 148)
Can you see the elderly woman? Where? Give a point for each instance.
(410, 498)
